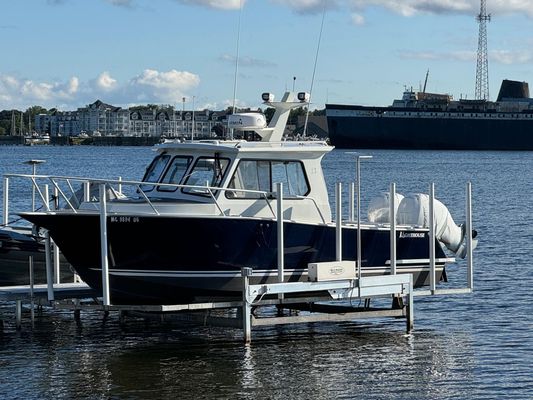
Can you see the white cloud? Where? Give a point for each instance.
(511, 57)
(357, 19)
(247, 61)
(406, 8)
(121, 3)
(73, 85)
(309, 6)
(410, 8)
(8, 82)
(105, 82)
(150, 86)
(20, 92)
(219, 4)
(169, 86)
(496, 56)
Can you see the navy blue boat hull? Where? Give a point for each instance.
(164, 260)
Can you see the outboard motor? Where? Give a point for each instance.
(414, 210)
(379, 208)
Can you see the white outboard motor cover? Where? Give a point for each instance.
(414, 210)
(247, 121)
(379, 208)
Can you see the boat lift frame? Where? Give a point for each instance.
(281, 294)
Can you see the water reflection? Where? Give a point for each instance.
(312, 361)
(319, 361)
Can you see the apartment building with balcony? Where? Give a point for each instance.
(103, 119)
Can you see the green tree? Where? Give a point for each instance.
(269, 113)
(6, 120)
(35, 110)
(295, 113)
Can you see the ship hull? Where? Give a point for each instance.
(170, 260)
(349, 129)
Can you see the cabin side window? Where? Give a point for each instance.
(291, 174)
(207, 171)
(175, 173)
(154, 171)
(263, 175)
(250, 175)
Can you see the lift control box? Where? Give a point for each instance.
(331, 271)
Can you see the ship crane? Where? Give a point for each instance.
(425, 82)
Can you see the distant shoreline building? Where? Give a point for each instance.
(101, 119)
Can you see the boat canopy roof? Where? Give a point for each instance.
(306, 149)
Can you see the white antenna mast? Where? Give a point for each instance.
(236, 65)
(314, 69)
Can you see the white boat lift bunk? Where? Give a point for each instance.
(327, 298)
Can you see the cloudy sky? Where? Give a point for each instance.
(68, 53)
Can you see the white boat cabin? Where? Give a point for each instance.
(247, 173)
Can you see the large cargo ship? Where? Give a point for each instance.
(423, 120)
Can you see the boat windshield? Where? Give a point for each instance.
(262, 175)
(154, 171)
(207, 171)
(175, 173)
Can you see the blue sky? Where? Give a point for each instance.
(68, 53)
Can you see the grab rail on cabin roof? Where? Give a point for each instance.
(72, 201)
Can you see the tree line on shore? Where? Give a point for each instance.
(7, 117)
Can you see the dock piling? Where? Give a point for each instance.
(57, 272)
(18, 314)
(410, 310)
(281, 239)
(32, 300)
(48, 264)
(469, 240)
(246, 308)
(392, 217)
(351, 202)
(5, 213)
(103, 246)
(338, 224)
(432, 272)
(358, 248)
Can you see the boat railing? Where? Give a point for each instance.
(104, 185)
(355, 201)
(66, 188)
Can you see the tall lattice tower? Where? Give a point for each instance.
(482, 70)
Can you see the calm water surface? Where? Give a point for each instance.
(477, 346)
